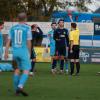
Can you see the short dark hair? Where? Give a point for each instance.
(73, 25)
(33, 26)
(60, 20)
(53, 23)
(22, 16)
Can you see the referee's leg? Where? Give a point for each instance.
(77, 66)
(77, 60)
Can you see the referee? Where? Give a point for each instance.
(74, 49)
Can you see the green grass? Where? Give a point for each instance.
(45, 86)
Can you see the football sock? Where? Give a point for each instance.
(32, 66)
(77, 67)
(66, 65)
(61, 64)
(23, 80)
(72, 67)
(16, 81)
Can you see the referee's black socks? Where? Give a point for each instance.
(72, 67)
(78, 67)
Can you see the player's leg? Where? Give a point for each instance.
(25, 66)
(54, 64)
(71, 56)
(53, 59)
(33, 61)
(66, 61)
(77, 59)
(77, 66)
(16, 75)
(62, 53)
(61, 64)
(72, 66)
(66, 65)
(16, 78)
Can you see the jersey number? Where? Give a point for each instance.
(18, 37)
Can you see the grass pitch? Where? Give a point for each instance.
(45, 86)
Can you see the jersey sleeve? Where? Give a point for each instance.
(29, 34)
(9, 33)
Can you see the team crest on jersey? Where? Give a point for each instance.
(64, 32)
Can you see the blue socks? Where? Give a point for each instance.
(66, 65)
(16, 81)
(23, 80)
(19, 81)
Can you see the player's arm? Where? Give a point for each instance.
(40, 31)
(6, 49)
(7, 45)
(71, 42)
(29, 38)
(67, 39)
(55, 36)
(71, 45)
(29, 45)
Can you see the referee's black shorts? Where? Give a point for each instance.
(75, 53)
(60, 51)
(33, 54)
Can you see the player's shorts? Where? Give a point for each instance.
(52, 50)
(33, 54)
(22, 58)
(60, 51)
(75, 53)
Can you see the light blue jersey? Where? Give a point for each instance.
(1, 45)
(52, 42)
(19, 34)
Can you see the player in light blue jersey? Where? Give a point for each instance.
(20, 36)
(52, 47)
(1, 39)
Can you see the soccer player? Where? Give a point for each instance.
(61, 39)
(20, 36)
(37, 33)
(52, 46)
(74, 48)
(1, 39)
(33, 54)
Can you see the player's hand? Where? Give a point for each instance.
(71, 51)
(36, 25)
